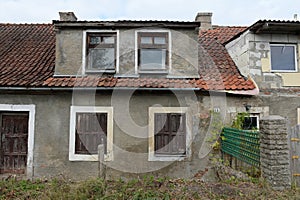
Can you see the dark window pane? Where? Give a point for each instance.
(250, 123)
(95, 40)
(153, 58)
(283, 58)
(103, 58)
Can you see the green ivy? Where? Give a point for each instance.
(239, 120)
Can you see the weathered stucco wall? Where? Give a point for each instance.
(130, 135)
(68, 52)
(184, 52)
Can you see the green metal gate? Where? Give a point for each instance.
(241, 144)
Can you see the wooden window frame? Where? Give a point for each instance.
(154, 156)
(154, 46)
(73, 156)
(295, 57)
(101, 46)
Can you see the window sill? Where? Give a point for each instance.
(167, 157)
(284, 71)
(106, 71)
(153, 72)
(90, 158)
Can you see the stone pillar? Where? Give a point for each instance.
(102, 167)
(274, 152)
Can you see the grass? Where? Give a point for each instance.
(146, 188)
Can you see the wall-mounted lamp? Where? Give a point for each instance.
(247, 107)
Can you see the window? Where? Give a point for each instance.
(153, 51)
(251, 123)
(169, 135)
(91, 130)
(90, 127)
(101, 52)
(283, 57)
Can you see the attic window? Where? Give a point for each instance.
(283, 58)
(153, 51)
(101, 52)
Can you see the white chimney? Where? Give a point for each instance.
(67, 16)
(205, 19)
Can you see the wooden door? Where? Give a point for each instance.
(14, 142)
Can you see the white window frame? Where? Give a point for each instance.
(295, 55)
(31, 124)
(90, 109)
(151, 131)
(298, 116)
(256, 115)
(84, 47)
(137, 47)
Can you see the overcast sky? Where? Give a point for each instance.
(225, 12)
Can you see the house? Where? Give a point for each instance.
(268, 51)
(145, 90)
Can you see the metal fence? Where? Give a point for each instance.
(241, 144)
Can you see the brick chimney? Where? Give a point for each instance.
(67, 16)
(205, 19)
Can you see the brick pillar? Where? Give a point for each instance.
(274, 152)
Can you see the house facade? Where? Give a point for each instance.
(268, 51)
(145, 90)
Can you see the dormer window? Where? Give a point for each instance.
(153, 51)
(101, 52)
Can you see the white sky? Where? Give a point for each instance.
(225, 12)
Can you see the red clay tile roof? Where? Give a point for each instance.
(27, 59)
(215, 64)
(27, 54)
(223, 33)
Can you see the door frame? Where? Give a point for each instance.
(31, 122)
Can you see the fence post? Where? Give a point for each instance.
(274, 152)
(102, 167)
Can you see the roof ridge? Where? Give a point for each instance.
(26, 24)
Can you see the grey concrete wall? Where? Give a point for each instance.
(274, 152)
(251, 53)
(184, 52)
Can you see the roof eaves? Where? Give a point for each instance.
(279, 26)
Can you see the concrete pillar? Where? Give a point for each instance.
(102, 166)
(274, 152)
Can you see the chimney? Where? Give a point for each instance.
(67, 16)
(205, 19)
